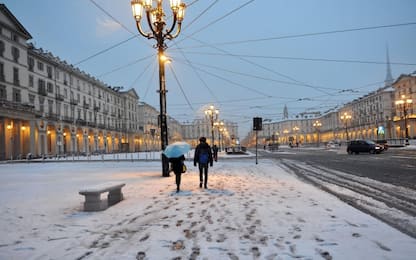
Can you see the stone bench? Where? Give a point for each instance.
(92, 195)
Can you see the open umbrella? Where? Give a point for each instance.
(177, 149)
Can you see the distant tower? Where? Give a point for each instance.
(389, 78)
(285, 113)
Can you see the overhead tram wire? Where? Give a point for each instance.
(112, 17)
(186, 58)
(126, 65)
(200, 78)
(140, 75)
(233, 83)
(312, 34)
(266, 69)
(103, 51)
(217, 20)
(115, 45)
(150, 79)
(181, 88)
(257, 77)
(301, 59)
(201, 14)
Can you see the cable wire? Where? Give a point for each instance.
(218, 19)
(302, 59)
(126, 65)
(318, 33)
(201, 14)
(181, 88)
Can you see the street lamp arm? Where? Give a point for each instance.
(141, 31)
(168, 32)
(178, 30)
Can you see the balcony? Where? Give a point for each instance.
(81, 122)
(91, 124)
(42, 91)
(52, 116)
(16, 106)
(67, 119)
(86, 105)
(96, 108)
(59, 97)
(74, 102)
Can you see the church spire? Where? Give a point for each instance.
(285, 113)
(389, 78)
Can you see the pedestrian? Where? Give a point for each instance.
(177, 167)
(215, 152)
(203, 156)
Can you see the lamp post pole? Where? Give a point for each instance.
(317, 126)
(296, 129)
(10, 128)
(155, 19)
(345, 117)
(404, 102)
(212, 114)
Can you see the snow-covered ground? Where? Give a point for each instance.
(249, 212)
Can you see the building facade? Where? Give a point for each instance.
(381, 114)
(48, 107)
(405, 108)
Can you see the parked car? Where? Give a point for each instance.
(382, 143)
(363, 146)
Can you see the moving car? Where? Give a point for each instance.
(363, 146)
(382, 143)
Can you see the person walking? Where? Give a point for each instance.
(203, 156)
(177, 168)
(215, 152)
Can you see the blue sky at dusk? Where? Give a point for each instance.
(248, 58)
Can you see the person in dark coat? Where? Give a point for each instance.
(203, 156)
(177, 166)
(215, 152)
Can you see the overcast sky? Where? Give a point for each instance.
(248, 58)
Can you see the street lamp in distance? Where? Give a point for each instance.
(295, 130)
(345, 117)
(212, 114)
(317, 126)
(155, 19)
(404, 103)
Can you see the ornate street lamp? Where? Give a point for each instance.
(286, 132)
(317, 126)
(212, 114)
(10, 128)
(296, 129)
(404, 103)
(156, 23)
(220, 126)
(345, 117)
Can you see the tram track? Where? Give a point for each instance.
(392, 204)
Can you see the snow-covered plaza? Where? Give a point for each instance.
(249, 211)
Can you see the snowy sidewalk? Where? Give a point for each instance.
(249, 212)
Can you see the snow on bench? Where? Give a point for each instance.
(92, 195)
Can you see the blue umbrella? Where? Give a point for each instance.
(177, 149)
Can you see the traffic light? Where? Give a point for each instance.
(257, 123)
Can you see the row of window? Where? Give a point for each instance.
(14, 51)
(86, 87)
